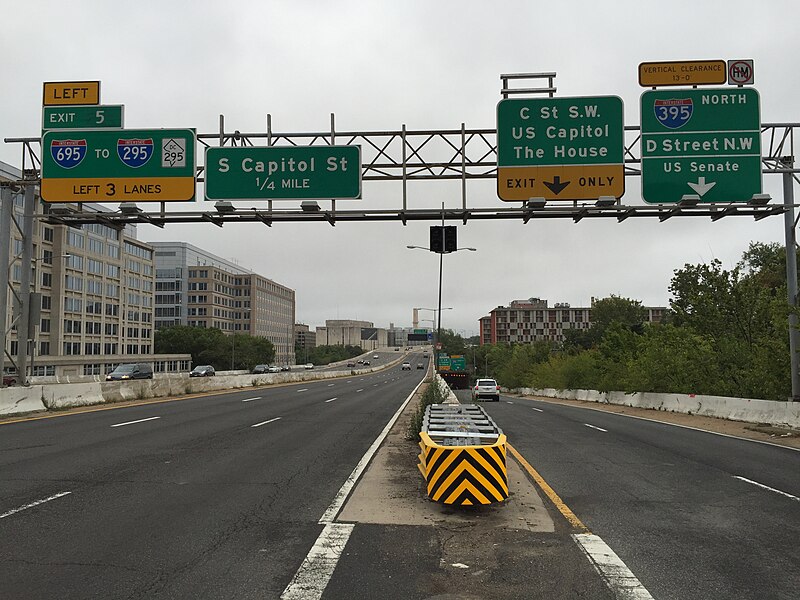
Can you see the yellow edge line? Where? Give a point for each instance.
(554, 498)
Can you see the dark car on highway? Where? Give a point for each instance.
(202, 371)
(128, 371)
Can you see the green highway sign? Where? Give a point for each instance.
(458, 363)
(283, 173)
(105, 165)
(425, 331)
(444, 362)
(82, 117)
(560, 148)
(704, 142)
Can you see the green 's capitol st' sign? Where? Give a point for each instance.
(704, 142)
(295, 172)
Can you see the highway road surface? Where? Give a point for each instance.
(226, 495)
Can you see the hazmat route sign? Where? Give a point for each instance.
(293, 172)
(705, 142)
(94, 165)
(560, 148)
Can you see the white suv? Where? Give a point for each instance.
(406, 366)
(486, 388)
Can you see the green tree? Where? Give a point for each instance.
(209, 346)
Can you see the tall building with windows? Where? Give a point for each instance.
(96, 284)
(199, 289)
(531, 320)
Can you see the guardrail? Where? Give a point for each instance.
(463, 458)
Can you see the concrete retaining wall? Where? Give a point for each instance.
(52, 396)
(451, 397)
(734, 409)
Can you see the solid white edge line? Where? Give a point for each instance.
(32, 504)
(618, 577)
(727, 435)
(254, 398)
(766, 487)
(331, 400)
(265, 422)
(338, 501)
(138, 421)
(596, 427)
(312, 577)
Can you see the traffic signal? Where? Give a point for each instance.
(450, 238)
(443, 239)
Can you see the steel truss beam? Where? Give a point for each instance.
(421, 155)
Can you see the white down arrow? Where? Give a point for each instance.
(701, 187)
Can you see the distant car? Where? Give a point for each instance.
(273, 369)
(486, 388)
(424, 355)
(420, 366)
(351, 364)
(406, 366)
(202, 371)
(366, 363)
(308, 366)
(286, 368)
(259, 369)
(375, 357)
(9, 380)
(127, 371)
(397, 349)
(360, 361)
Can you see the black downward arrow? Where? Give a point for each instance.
(556, 186)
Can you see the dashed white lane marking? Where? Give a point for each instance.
(138, 421)
(265, 422)
(302, 390)
(598, 428)
(312, 577)
(766, 487)
(331, 400)
(361, 390)
(537, 409)
(619, 578)
(251, 399)
(331, 384)
(509, 402)
(32, 504)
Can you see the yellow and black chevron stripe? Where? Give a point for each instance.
(464, 475)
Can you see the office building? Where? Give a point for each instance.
(196, 288)
(95, 286)
(531, 320)
(351, 333)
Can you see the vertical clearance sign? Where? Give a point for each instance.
(560, 148)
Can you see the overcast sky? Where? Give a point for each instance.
(426, 64)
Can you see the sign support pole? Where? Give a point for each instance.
(791, 276)
(25, 295)
(6, 212)
(439, 308)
